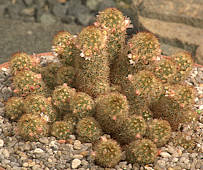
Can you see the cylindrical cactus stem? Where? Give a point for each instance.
(92, 76)
(115, 24)
(184, 64)
(144, 49)
(63, 46)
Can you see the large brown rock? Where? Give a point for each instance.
(182, 11)
(176, 34)
(168, 50)
(199, 55)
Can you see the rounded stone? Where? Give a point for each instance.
(1, 143)
(77, 145)
(76, 163)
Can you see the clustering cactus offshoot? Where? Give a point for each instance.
(175, 105)
(133, 127)
(61, 97)
(159, 131)
(62, 129)
(111, 111)
(49, 74)
(88, 129)
(165, 70)
(32, 127)
(21, 61)
(66, 75)
(64, 48)
(14, 108)
(82, 105)
(28, 82)
(184, 65)
(107, 152)
(38, 104)
(104, 82)
(143, 151)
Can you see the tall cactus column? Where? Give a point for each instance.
(93, 71)
(115, 24)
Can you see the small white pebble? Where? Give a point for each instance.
(175, 159)
(4, 69)
(76, 163)
(38, 150)
(165, 154)
(1, 143)
(25, 164)
(77, 145)
(201, 107)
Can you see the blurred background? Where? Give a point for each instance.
(29, 25)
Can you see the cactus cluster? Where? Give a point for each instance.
(104, 83)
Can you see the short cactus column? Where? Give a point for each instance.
(93, 72)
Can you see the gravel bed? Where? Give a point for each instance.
(50, 154)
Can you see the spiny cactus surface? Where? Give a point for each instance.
(104, 82)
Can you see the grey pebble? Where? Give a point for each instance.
(47, 19)
(44, 140)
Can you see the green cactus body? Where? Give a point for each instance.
(27, 82)
(188, 116)
(32, 127)
(115, 88)
(93, 72)
(184, 140)
(64, 48)
(88, 130)
(120, 69)
(66, 75)
(111, 111)
(68, 116)
(49, 74)
(142, 151)
(184, 95)
(165, 70)
(175, 104)
(134, 127)
(144, 49)
(82, 105)
(115, 24)
(38, 104)
(21, 61)
(107, 152)
(14, 108)
(142, 89)
(184, 65)
(61, 97)
(159, 131)
(62, 129)
(145, 112)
